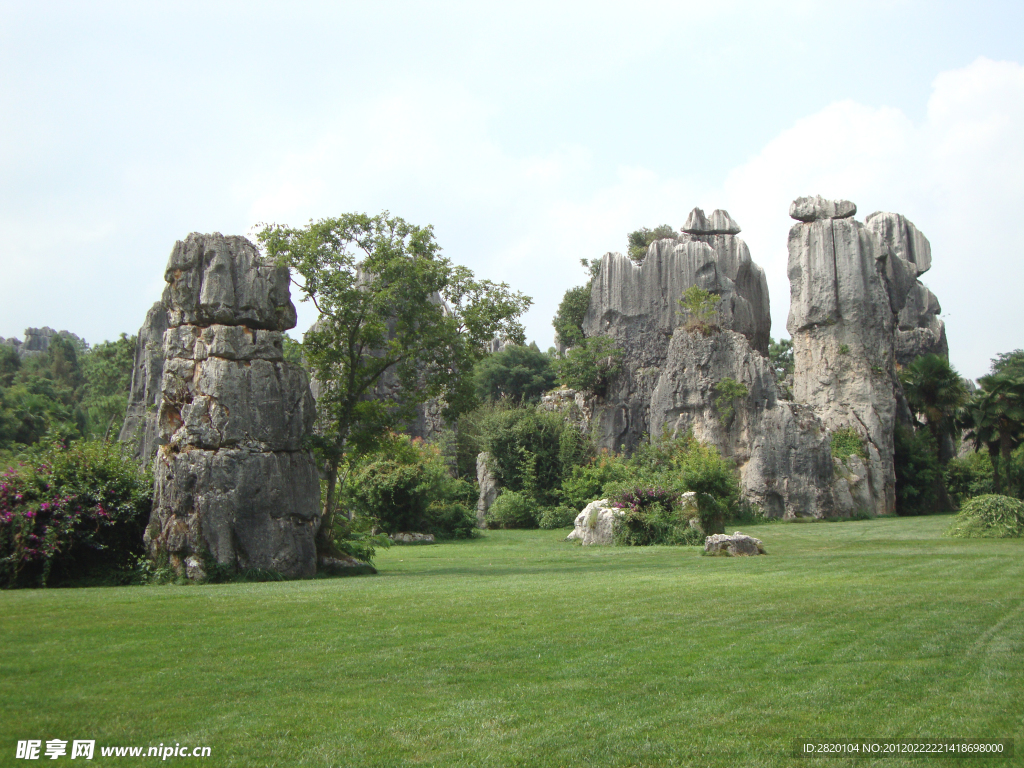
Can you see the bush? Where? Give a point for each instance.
(512, 510)
(652, 515)
(848, 442)
(568, 320)
(700, 310)
(406, 486)
(969, 476)
(76, 512)
(918, 472)
(590, 365)
(586, 483)
(532, 450)
(989, 517)
(558, 517)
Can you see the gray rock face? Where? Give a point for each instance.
(489, 489)
(920, 330)
(846, 285)
(638, 307)
(216, 279)
(141, 418)
(781, 449)
(595, 524)
(736, 545)
(37, 341)
(815, 208)
(231, 478)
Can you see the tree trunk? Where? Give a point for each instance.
(325, 536)
(1005, 449)
(993, 455)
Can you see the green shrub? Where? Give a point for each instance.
(640, 240)
(989, 517)
(586, 483)
(512, 510)
(700, 310)
(558, 517)
(532, 450)
(520, 374)
(918, 473)
(652, 515)
(969, 476)
(406, 486)
(848, 442)
(590, 366)
(568, 320)
(729, 391)
(76, 512)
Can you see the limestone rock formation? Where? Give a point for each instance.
(37, 341)
(815, 208)
(489, 489)
(848, 282)
(737, 544)
(140, 421)
(920, 330)
(232, 481)
(594, 525)
(781, 448)
(638, 307)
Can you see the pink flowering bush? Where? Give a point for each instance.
(74, 512)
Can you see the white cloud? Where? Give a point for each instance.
(427, 152)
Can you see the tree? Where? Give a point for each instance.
(780, 354)
(519, 374)
(641, 239)
(935, 390)
(389, 305)
(590, 366)
(996, 416)
(700, 308)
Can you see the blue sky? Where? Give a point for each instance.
(530, 135)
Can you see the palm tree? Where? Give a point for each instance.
(935, 390)
(996, 416)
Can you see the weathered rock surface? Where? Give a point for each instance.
(489, 489)
(905, 249)
(781, 449)
(141, 419)
(412, 538)
(249, 509)
(638, 307)
(232, 481)
(817, 207)
(847, 282)
(737, 544)
(37, 341)
(216, 279)
(594, 525)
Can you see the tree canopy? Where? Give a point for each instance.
(518, 374)
(390, 306)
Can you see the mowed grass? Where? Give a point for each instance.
(518, 649)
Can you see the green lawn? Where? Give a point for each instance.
(519, 649)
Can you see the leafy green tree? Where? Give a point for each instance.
(9, 364)
(568, 321)
(641, 239)
(590, 366)
(107, 372)
(389, 304)
(1010, 363)
(700, 309)
(519, 374)
(780, 354)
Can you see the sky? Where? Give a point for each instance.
(530, 135)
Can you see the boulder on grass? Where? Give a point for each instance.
(737, 544)
(594, 525)
(412, 538)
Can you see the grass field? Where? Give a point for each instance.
(520, 650)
